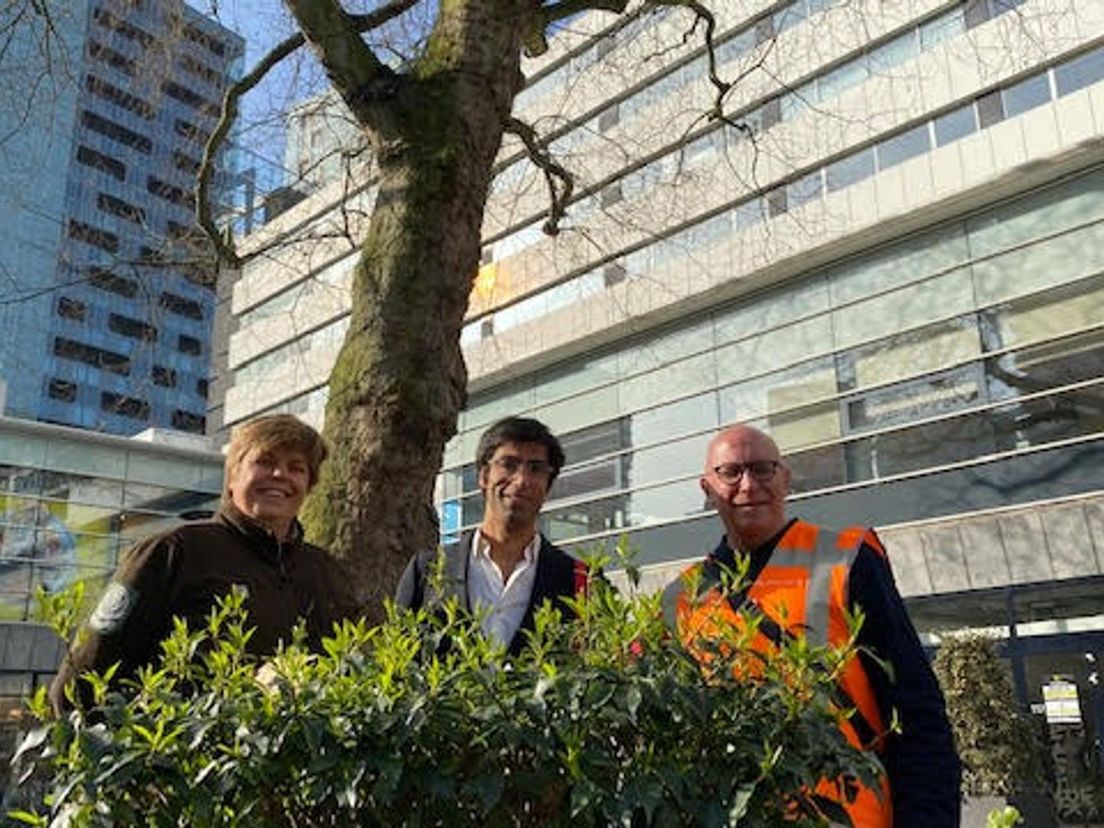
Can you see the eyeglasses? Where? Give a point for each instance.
(761, 471)
(512, 465)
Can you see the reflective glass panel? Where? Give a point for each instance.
(955, 125)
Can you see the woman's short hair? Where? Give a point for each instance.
(274, 431)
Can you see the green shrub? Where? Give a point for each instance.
(420, 721)
(995, 738)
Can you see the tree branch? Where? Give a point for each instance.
(536, 41)
(552, 169)
(703, 15)
(356, 25)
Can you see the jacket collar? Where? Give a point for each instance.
(258, 536)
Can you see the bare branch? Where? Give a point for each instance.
(536, 41)
(553, 171)
(358, 24)
(704, 16)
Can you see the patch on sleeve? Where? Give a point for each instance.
(114, 608)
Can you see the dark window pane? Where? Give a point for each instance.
(584, 518)
(134, 328)
(63, 390)
(990, 109)
(116, 132)
(124, 406)
(818, 468)
(582, 445)
(94, 236)
(1054, 364)
(91, 355)
(189, 345)
(188, 421)
(976, 12)
(165, 377)
(117, 207)
(776, 201)
(112, 283)
(71, 309)
(917, 399)
(99, 161)
(181, 306)
(603, 476)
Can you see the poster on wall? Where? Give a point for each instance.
(1061, 704)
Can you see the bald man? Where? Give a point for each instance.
(805, 580)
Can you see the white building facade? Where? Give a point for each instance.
(889, 254)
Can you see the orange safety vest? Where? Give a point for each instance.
(802, 591)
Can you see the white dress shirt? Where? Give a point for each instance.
(503, 600)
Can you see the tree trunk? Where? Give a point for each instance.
(399, 382)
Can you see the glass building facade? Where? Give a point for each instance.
(71, 502)
(966, 350)
(117, 336)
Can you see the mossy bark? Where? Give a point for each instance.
(399, 382)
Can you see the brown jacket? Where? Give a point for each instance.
(181, 573)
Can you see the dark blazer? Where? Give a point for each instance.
(555, 580)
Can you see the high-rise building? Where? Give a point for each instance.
(107, 298)
(889, 253)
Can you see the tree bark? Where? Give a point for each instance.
(399, 382)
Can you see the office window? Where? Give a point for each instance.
(942, 28)
(122, 27)
(116, 132)
(850, 170)
(165, 377)
(94, 236)
(59, 389)
(613, 274)
(956, 124)
(189, 130)
(210, 43)
(134, 328)
(902, 147)
(117, 207)
(189, 345)
(114, 59)
(91, 355)
(1027, 94)
(111, 282)
(188, 421)
(185, 162)
(776, 201)
(201, 388)
(990, 109)
(167, 191)
(804, 190)
(181, 306)
(113, 94)
(124, 406)
(200, 70)
(185, 95)
(1080, 72)
(71, 309)
(104, 163)
(609, 118)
